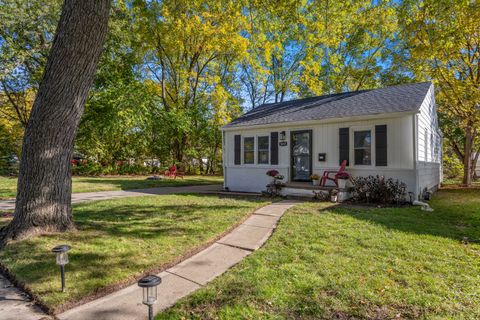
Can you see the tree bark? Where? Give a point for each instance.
(43, 202)
(467, 157)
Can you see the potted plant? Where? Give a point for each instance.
(273, 173)
(315, 179)
(342, 179)
(334, 195)
(276, 185)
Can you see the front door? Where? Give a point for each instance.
(301, 151)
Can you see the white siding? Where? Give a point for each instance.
(325, 136)
(429, 145)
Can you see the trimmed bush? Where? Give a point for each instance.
(379, 190)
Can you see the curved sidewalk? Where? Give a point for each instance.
(189, 275)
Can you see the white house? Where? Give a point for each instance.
(391, 132)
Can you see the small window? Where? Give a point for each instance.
(263, 150)
(249, 150)
(363, 147)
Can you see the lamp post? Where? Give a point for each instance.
(149, 285)
(61, 253)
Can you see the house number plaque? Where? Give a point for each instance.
(282, 143)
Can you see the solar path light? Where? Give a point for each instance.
(61, 253)
(149, 285)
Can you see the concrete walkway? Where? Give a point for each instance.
(189, 275)
(14, 304)
(104, 195)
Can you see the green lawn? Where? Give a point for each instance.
(354, 263)
(119, 239)
(8, 186)
(458, 182)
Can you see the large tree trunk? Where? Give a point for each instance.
(43, 201)
(467, 157)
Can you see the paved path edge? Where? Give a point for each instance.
(191, 274)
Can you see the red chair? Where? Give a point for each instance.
(173, 172)
(326, 174)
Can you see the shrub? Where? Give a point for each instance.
(452, 167)
(379, 190)
(92, 168)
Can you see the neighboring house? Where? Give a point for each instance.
(391, 132)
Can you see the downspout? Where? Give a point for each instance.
(440, 133)
(223, 161)
(415, 152)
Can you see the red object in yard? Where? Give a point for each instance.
(327, 174)
(173, 172)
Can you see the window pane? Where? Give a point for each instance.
(362, 147)
(263, 157)
(248, 150)
(249, 144)
(263, 150)
(362, 139)
(263, 143)
(248, 157)
(363, 157)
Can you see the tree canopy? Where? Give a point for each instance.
(174, 72)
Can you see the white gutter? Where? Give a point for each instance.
(223, 161)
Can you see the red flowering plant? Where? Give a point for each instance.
(272, 173)
(275, 175)
(273, 188)
(343, 175)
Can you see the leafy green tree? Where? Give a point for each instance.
(187, 45)
(43, 202)
(349, 45)
(443, 41)
(26, 34)
(116, 124)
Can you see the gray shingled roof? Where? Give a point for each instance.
(402, 98)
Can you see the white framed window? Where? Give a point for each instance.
(248, 150)
(263, 145)
(362, 147)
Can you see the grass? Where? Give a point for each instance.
(119, 239)
(8, 185)
(338, 262)
(451, 182)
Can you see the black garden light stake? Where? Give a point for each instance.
(149, 285)
(411, 196)
(61, 253)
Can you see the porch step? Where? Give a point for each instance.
(310, 186)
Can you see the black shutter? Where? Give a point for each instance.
(344, 144)
(238, 149)
(381, 145)
(274, 148)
